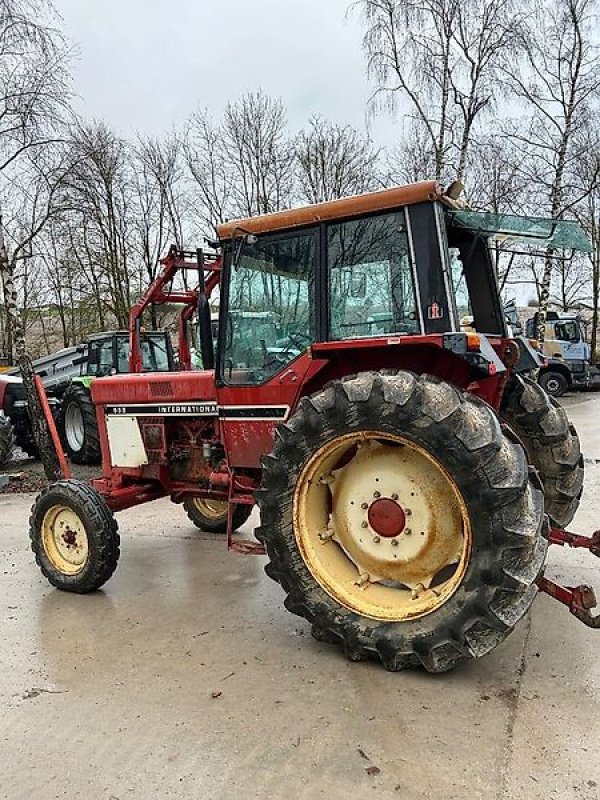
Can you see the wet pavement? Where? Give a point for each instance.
(186, 678)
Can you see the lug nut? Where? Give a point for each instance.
(408, 512)
(376, 539)
(326, 479)
(364, 524)
(376, 494)
(364, 506)
(407, 531)
(394, 496)
(395, 542)
(417, 591)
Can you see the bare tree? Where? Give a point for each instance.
(243, 164)
(496, 184)
(334, 161)
(33, 95)
(556, 81)
(209, 169)
(158, 213)
(260, 153)
(440, 60)
(413, 159)
(99, 192)
(588, 214)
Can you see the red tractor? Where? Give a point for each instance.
(409, 474)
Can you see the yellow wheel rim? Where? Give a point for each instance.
(65, 540)
(213, 509)
(382, 526)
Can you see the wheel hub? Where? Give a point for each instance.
(70, 538)
(386, 517)
(65, 539)
(381, 525)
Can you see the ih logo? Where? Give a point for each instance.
(434, 311)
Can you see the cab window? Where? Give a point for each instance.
(100, 358)
(155, 357)
(567, 331)
(371, 287)
(460, 289)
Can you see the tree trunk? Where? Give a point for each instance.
(39, 426)
(595, 303)
(544, 295)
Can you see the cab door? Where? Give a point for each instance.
(267, 321)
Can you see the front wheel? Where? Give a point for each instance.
(211, 515)
(402, 521)
(74, 536)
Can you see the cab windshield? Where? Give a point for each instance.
(270, 316)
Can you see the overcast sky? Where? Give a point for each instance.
(144, 65)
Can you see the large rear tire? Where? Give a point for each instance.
(74, 536)
(78, 426)
(7, 440)
(551, 442)
(211, 515)
(378, 482)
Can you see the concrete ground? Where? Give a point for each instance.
(186, 678)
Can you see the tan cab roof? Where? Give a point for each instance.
(335, 209)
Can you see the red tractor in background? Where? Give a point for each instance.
(409, 474)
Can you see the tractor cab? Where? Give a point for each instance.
(391, 265)
(372, 266)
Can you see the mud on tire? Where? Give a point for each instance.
(551, 443)
(502, 495)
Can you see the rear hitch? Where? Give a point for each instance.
(578, 599)
(566, 538)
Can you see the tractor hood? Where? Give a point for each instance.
(155, 389)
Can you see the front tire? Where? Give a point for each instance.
(78, 426)
(474, 504)
(211, 515)
(74, 536)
